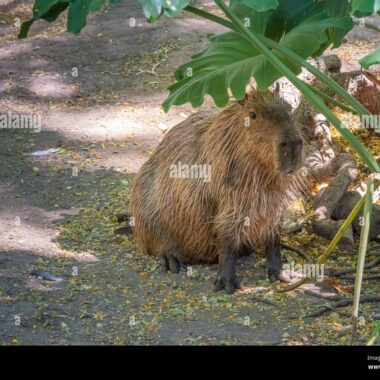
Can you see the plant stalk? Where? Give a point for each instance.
(362, 253)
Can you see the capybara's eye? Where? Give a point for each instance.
(253, 115)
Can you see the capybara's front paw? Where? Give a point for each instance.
(227, 282)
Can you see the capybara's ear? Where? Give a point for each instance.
(249, 93)
(243, 101)
(250, 89)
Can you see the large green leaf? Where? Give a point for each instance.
(49, 10)
(230, 61)
(306, 38)
(227, 63)
(289, 14)
(338, 8)
(257, 20)
(76, 19)
(372, 58)
(153, 9)
(274, 23)
(365, 6)
(259, 5)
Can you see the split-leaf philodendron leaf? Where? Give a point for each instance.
(230, 61)
(49, 10)
(372, 58)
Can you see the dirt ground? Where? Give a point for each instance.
(100, 103)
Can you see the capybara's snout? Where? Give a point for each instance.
(290, 155)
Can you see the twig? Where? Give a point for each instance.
(371, 76)
(342, 303)
(343, 271)
(354, 329)
(293, 286)
(331, 297)
(365, 278)
(119, 73)
(151, 71)
(368, 25)
(258, 299)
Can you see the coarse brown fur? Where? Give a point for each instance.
(243, 202)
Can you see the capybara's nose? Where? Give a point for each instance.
(297, 163)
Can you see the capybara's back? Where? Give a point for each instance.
(159, 201)
(218, 183)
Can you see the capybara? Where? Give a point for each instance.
(217, 185)
(344, 207)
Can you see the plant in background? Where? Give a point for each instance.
(266, 40)
(375, 334)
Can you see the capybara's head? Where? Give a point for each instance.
(276, 136)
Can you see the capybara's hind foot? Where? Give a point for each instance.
(169, 262)
(230, 283)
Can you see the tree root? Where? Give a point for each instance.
(324, 158)
(365, 278)
(343, 271)
(329, 297)
(299, 252)
(263, 300)
(342, 302)
(346, 171)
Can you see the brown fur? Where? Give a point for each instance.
(192, 217)
(369, 97)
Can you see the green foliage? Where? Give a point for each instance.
(371, 59)
(49, 10)
(258, 5)
(307, 28)
(275, 23)
(366, 6)
(363, 249)
(230, 61)
(154, 9)
(375, 334)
